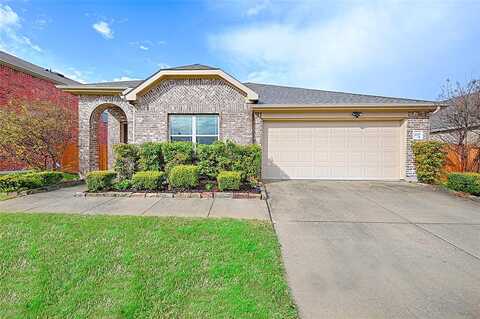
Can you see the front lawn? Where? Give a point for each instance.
(60, 266)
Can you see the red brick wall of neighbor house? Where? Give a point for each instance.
(15, 85)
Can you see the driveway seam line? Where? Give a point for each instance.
(374, 222)
(96, 206)
(155, 203)
(210, 209)
(423, 229)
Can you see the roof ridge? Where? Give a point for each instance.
(341, 92)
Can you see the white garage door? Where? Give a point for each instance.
(331, 150)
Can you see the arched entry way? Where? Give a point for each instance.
(117, 132)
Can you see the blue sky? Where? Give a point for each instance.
(394, 48)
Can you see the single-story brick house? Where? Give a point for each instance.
(304, 133)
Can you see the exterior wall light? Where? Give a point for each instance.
(356, 114)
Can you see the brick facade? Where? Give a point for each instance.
(19, 86)
(417, 121)
(90, 110)
(148, 118)
(193, 96)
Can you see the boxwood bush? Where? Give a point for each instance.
(228, 156)
(229, 180)
(429, 159)
(126, 160)
(148, 180)
(150, 156)
(177, 153)
(100, 180)
(20, 181)
(183, 176)
(464, 182)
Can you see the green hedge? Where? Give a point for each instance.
(151, 156)
(20, 181)
(464, 182)
(126, 160)
(183, 176)
(228, 156)
(177, 153)
(148, 180)
(100, 180)
(429, 159)
(228, 180)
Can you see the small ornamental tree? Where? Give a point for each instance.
(36, 132)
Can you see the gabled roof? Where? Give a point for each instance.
(439, 121)
(276, 94)
(267, 95)
(34, 70)
(189, 70)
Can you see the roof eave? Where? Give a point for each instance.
(81, 90)
(405, 107)
(35, 74)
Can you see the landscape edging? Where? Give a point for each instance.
(232, 195)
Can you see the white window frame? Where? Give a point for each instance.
(194, 127)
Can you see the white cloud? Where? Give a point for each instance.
(143, 47)
(257, 8)
(104, 29)
(124, 78)
(163, 65)
(8, 17)
(312, 50)
(11, 40)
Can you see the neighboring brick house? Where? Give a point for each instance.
(304, 133)
(21, 80)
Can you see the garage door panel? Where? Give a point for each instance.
(348, 150)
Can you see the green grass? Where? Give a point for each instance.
(60, 266)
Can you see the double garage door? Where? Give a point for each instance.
(332, 150)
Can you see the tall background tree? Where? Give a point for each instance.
(461, 121)
(36, 132)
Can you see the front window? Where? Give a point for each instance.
(201, 129)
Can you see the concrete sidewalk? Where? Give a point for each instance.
(63, 201)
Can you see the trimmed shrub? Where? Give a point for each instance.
(228, 156)
(150, 156)
(429, 159)
(177, 153)
(229, 180)
(100, 180)
(183, 176)
(464, 182)
(148, 180)
(50, 178)
(18, 181)
(123, 185)
(126, 160)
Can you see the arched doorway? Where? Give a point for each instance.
(112, 120)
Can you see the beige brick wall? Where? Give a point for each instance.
(193, 96)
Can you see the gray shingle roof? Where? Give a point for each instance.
(192, 67)
(119, 84)
(34, 70)
(276, 94)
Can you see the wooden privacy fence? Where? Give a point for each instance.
(454, 164)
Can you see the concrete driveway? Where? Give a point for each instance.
(378, 249)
